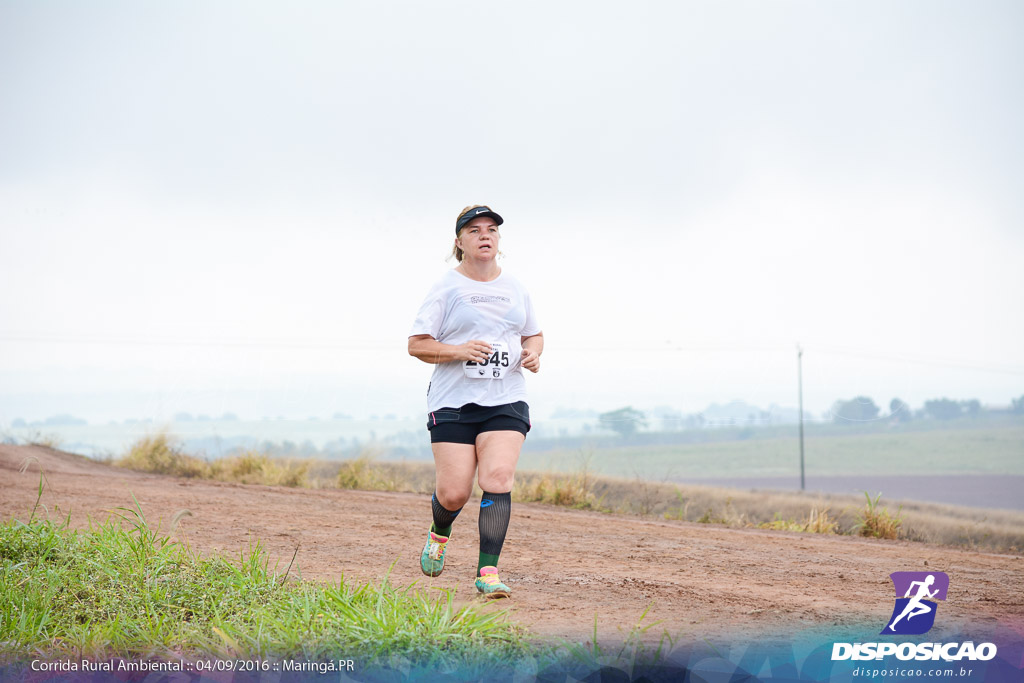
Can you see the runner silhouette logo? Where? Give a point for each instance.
(916, 595)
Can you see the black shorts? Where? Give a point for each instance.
(461, 425)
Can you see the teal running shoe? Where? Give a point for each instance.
(432, 557)
(490, 585)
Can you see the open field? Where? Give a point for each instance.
(567, 567)
(990, 491)
(992, 446)
(835, 453)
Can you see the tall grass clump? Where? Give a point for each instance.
(876, 522)
(817, 522)
(565, 490)
(574, 490)
(362, 473)
(161, 454)
(122, 589)
(253, 467)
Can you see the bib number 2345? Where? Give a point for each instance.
(494, 367)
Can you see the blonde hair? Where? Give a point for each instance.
(456, 252)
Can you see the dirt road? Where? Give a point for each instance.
(565, 566)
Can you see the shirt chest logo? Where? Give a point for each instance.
(478, 299)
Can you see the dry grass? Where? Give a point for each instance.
(367, 474)
(573, 491)
(998, 531)
(876, 522)
(988, 530)
(252, 467)
(360, 473)
(161, 454)
(816, 523)
(46, 439)
(992, 530)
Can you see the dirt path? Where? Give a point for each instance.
(564, 566)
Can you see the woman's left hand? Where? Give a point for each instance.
(530, 360)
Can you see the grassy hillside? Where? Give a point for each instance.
(580, 487)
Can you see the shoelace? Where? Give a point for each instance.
(436, 550)
(490, 579)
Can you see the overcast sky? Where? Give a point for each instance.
(238, 206)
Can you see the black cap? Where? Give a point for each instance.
(477, 213)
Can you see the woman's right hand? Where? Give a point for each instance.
(474, 350)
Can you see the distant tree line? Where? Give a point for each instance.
(864, 409)
(62, 420)
(628, 421)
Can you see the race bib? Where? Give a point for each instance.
(494, 368)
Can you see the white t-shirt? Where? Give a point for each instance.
(499, 312)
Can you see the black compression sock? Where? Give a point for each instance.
(443, 517)
(495, 510)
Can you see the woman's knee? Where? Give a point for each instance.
(452, 497)
(497, 480)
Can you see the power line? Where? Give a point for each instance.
(905, 358)
(234, 343)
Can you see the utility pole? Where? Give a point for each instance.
(800, 390)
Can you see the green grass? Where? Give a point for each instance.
(829, 453)
(123, 589)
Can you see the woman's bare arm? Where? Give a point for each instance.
(429, 350)
(533, 346)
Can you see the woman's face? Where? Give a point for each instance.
(479, 239)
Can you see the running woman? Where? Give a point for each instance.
(478, 328)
